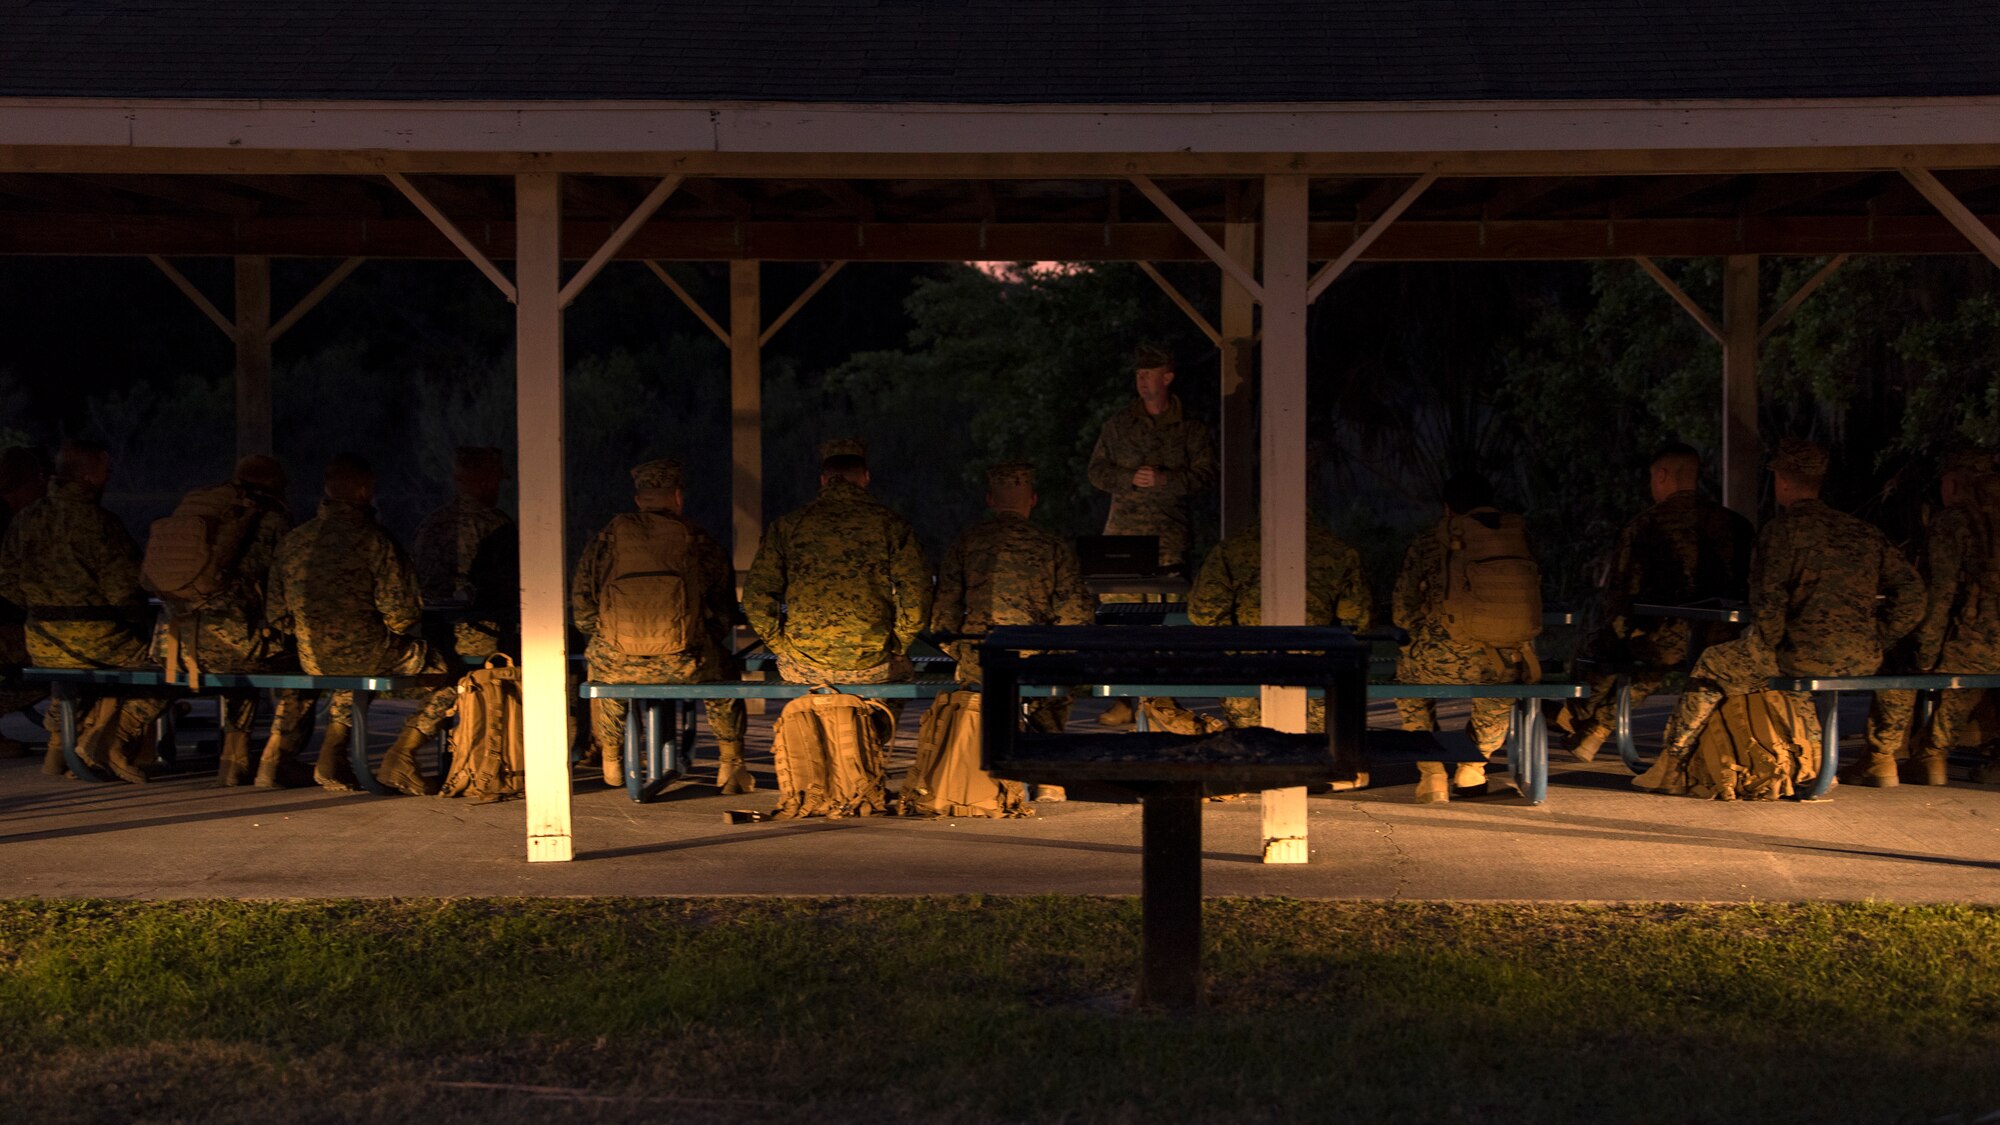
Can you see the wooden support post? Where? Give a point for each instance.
(746, 412)
(1239, 350)
(1742, 450)
(1282, 397)
(252, 333)
(538, 375)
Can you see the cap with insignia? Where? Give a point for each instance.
(1011, 474)
(842, 447)
(1147, 357)
(1800, 458)
(663, 474)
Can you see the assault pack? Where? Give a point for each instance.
(1492, 585)
(487, 758)
(191, 560)
(829, 751)
(946, 779)
(652, 604)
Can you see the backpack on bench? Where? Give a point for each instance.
(829, 751)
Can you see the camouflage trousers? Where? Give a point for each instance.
(1889, 720)
(1432, 657)
(1248, 711)
(892, 670)
(412, 658)
(727, 718)
(1740, 667)
(1647, 659)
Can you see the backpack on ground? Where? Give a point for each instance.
(829, 751)
(652, 604)
(946, 779)
(1761, 746)
(1492, 585)
(487, 758)
(191, 554)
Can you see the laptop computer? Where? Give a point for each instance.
(1118, 556)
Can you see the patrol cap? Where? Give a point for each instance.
(1146, 357)
(1800, 459)
(260, 469)
(834, 448)
(1011, 474)
(663, 475)
(478, 458)
(1966, 461)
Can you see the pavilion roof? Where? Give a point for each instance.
(999, 51)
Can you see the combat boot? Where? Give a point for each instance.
(1118, 714)
(52, 760)
(1433, 786)
(732, 777)
(1345, 784)
(1586, 746)
(333, 772)
(123, 746)
(613, 768)
(1932, 771)
(1053, 794)
(235, 767)
(1468, 779)
(1877, 770)
(399, 766)
(279, 766)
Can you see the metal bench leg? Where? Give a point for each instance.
(1534, 748)
(1628, 750)
(357, 746)
(60, 699)
(635, 780)
(1829, 746)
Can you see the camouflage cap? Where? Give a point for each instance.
(842, 447)
(1966, 461)
(1011, 474)
(477, 458)
(1146, 357)
(663, 474)
(1798, 457)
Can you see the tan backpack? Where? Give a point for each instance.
(947, 780)
(1761, 746)
(652, 604)
(487, 759)
(829, 755)
(190, 554)
(1492, 586)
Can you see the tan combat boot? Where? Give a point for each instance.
(333, 772)
(732, 777)
(1053, 794)
(1468, 779)
(279, 766)
(126, 746)
(399, 766)
(1433, 786)
(235, 767)
(612, 764)
(52, 760)
(1346, 784)
(1930, 770)
(1118, 714)
(1586, 746)
(1876, 770)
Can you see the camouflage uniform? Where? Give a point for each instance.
(228, 633)
(75, 570)
(1227, 591)
(606, 664)
(1172, 443)
(1950, 549)
(1432, 657)
(341, 588)
(1813, 584)
(1961, 629)
(1007, 571)
(1683, 549)
(467, 552)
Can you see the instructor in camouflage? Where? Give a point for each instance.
(468, 556)
(1153, 460)
(74, 569)
(347, 596)
(1829, 594)
(1685, 548)
(658, 490)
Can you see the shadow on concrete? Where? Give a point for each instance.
(234, 812)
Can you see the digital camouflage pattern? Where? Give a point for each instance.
(468, 552)
(1176, 445)
(348, 598)
(839, 586)
(1228, 591)
(74, 570)
(229, 633)
(1005, 570)
(605, 664)
(1684, 549)
(1814, 585)
(1432, 657)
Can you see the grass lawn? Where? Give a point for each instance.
(970, 1009)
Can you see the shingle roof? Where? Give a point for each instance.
(999, 51)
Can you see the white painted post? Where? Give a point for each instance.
(252, 333)
(746, 412)
(1282, 396)
(538, 375)
(1239, 423)
(1741, 448)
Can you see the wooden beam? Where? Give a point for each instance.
(1238, 391)
(1197, 235)
(1681, 298)
(1182, 303)
(1974, 228)
(1768, 194)
(1662, 191)
(799, 302)
(1282, 394)
(687, 299)
(538, 383)
(311, 300)
(253, 356)
(185, 191)
(457, 237)
(201, 302)
(645, 210)
(746, 412)
(1798, 298)
(1331, 272)
(1742, 449)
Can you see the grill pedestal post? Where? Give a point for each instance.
(1170, 890)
